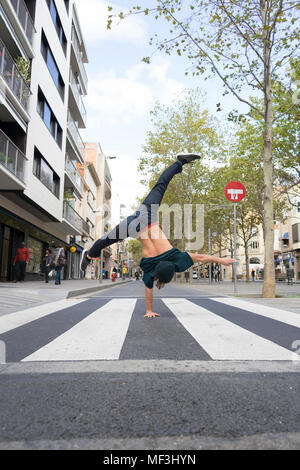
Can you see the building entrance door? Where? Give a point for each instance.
(6, 255)
(11, 240)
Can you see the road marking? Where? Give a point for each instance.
(284, 316)
(99, 336)
(222, 339)
(16, 319)
(150, 366)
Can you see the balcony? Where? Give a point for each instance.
(79, 60)
(24, 18)
(73, 176)
(77, 222)
(77, 141)
(107, 190)
(13, 78)
(76, 102)
(12, 163)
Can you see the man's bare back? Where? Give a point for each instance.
(154, 242)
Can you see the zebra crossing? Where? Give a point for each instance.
(114, 329)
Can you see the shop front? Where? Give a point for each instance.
(13, 231)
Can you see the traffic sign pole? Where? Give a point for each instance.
(234, 248)
(235, 192)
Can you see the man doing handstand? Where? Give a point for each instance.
(160, 260)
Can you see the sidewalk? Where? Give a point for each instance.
(66, 289)
(15, 297)
(288, 295)
(247, 289)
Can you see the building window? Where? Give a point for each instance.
(254, 231)
(57, 24)
(67, 4)
(52, 67)
(49, 118)
(254, 245)
(43, 171)
(296, 233)
(254, 261)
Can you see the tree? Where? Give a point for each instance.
(184, 126)
(247, 44)
(134, 247)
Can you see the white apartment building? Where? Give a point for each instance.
(40, 143)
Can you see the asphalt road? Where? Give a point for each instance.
(93, 373)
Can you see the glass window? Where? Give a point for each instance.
(46, 175)
(52, 67)
(47, 115)
(53, 11)
(36, 253)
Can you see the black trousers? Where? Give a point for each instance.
(20, 269)
(142, 217)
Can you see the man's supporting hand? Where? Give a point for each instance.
(151, 315)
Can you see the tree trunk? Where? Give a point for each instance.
(269, 268)
(247, 263)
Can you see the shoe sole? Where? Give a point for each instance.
(191, 155)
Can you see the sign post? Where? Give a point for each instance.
(235, 192)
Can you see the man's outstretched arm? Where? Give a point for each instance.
(149, 300)
(210, 259)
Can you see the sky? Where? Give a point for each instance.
(122, 90)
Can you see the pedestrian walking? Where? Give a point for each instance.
(137, 275)
(160, 260)
(253, 275)
(217, 273)
(57, 262)
(46, 267)
(290, 275)
(20, 262)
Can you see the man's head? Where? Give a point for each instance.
(164, 272)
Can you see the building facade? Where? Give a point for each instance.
(95, 158)
(42, 84)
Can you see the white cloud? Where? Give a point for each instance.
(123, 99)
(93, 15)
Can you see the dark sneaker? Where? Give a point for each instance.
(84, 262)
(188, 157)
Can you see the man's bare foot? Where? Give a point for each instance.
(151, 315)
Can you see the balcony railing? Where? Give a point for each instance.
(77, 95)
(24, 17)
(73, 174)
(11, 157)
(75, 219)
(13, 77)
(75, 133)
(78, 54)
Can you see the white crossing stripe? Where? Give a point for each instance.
(99, 336)
(284, 316)
(222, 339)
(16, 319)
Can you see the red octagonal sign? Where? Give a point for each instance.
(235, 191)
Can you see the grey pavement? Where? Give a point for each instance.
(19, 296)
(163, 391)
(287, 296)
